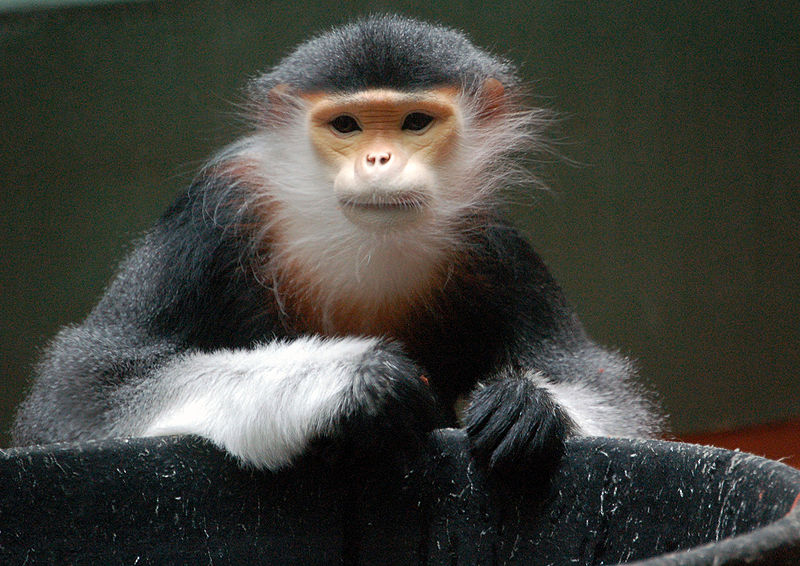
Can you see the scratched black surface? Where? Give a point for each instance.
(181, 501)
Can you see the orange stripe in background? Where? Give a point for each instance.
(776, 441)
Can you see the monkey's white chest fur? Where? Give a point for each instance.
(348, 280)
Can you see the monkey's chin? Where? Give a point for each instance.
(383, 217)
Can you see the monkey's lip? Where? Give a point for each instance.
(392, 202)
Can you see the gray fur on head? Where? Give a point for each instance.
(385, 51)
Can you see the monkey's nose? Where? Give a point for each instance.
(378, 158)
(380, 164)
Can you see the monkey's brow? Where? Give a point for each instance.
(400, 96)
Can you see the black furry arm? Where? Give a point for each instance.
(551, 380)
(187, 340)
(165, 295)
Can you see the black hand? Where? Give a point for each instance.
(515, 427)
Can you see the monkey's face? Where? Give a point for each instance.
(386, 151)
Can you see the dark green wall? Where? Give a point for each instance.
(673, 225)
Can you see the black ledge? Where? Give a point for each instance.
(178, 500)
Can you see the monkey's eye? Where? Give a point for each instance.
(417, 121)
(345, 124)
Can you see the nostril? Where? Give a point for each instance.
(381, 158)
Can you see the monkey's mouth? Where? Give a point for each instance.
(383, 210)
(410, 202)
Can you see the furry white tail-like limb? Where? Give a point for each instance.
(264, 406)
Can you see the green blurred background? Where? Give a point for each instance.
(673, 223)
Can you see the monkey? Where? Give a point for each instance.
(345, 272)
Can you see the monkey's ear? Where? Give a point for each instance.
(279, 94)
(274, 105)
(281, 101)
(493, 95)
